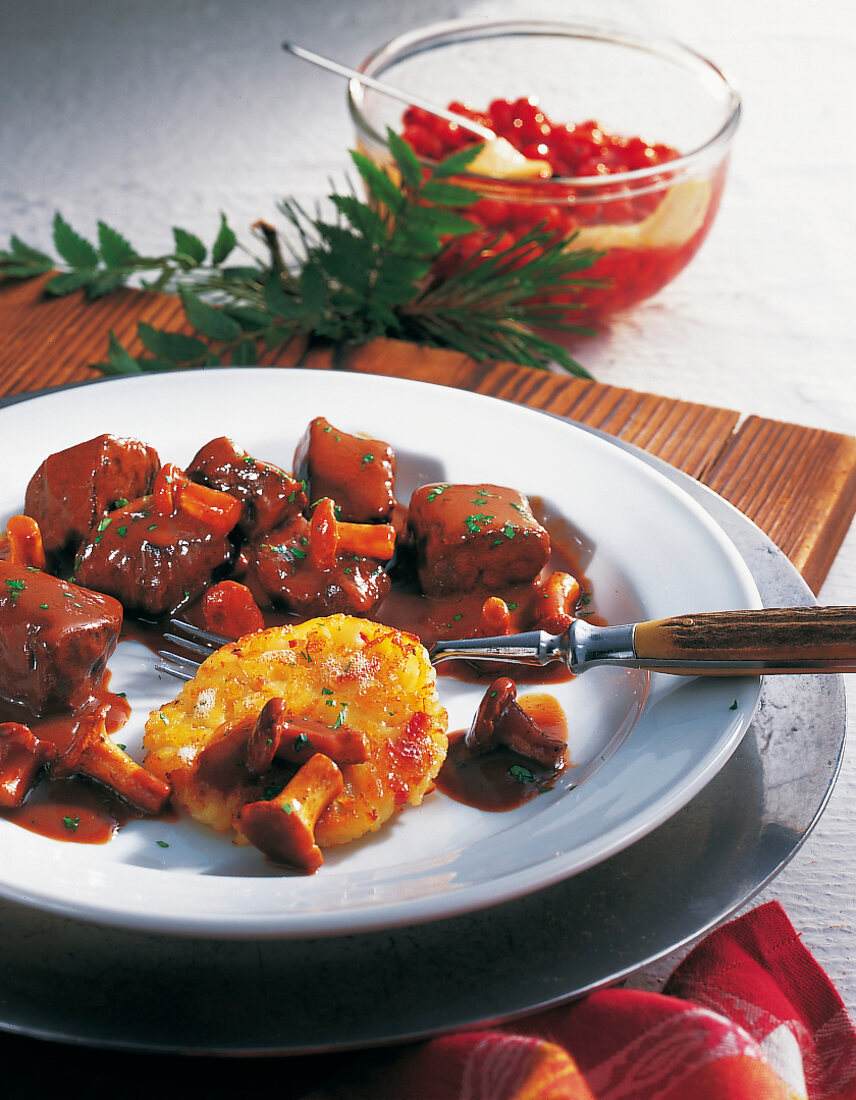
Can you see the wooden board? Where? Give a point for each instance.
(798, 484)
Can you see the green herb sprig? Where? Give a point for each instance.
(370, 272)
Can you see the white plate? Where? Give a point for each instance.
(643, 746)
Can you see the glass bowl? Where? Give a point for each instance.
(635, 130)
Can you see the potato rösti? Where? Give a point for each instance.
(336, 675)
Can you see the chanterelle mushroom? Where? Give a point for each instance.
(277, 733)
(500, 720)
(22, 757)
(92, 752)
(284, 827)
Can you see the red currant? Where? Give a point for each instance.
(530, 122)
(501, 116)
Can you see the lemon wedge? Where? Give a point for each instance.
(499, 159)
(678, 218)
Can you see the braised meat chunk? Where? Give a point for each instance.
(475, 537)
(152, 563)
(268, 495)
(357, 472)
(74, 488)
(55, 640)
(283, 571)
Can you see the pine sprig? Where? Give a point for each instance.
(370, 271)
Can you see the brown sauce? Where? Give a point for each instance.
(502, 780)
(75, 808)
(59, 729)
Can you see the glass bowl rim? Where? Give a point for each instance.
(443, 33)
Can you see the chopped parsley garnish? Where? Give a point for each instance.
(475, 521)
(16, 587)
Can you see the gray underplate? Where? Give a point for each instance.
(80, 983)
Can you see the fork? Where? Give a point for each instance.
(715, 643)
(198, 642)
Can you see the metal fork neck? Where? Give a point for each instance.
(581, 646)
(534, 647)
(590, 645)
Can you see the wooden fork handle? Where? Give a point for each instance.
(790, 639)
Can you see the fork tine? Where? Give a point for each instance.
(194, 639)
(202, 651)
(199, 643)
(197, 633)
(179, 659)
(179, 668)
